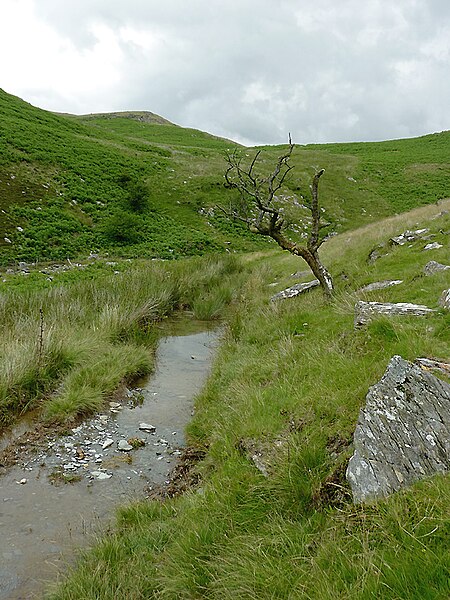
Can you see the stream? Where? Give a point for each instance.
(64, 494)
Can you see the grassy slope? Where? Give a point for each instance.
(289, 381)
(60, 181)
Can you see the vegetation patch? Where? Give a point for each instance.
(265, 511)
(68, 343)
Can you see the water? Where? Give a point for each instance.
(42, 525)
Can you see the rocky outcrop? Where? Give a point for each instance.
(408, 236)
(433, 246)
(295, 290)
(366, 311)
(403, 432)
(377, 253)
(380, 285)
(433, 267)
(433, 364)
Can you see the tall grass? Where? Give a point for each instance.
(67, 347)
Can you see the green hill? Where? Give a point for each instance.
(68, 183)
(133, 184)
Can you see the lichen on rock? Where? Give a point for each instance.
(403, 432)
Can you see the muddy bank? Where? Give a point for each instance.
(64, 490)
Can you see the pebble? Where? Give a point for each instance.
(22, 481)
(101, 475)
(124, 446)
(107, 443)
(147, 427)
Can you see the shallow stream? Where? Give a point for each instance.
(44, 522)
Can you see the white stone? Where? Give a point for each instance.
(147, 427)
(124, 446)
(433, 246)
(100, 475)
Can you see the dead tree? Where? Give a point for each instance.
(257, 207)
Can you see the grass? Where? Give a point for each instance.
(68, 343)
(289, 380)
(68, 183)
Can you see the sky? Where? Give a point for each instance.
(249, 70)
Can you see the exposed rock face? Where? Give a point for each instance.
(365, 311)
(408, 236)
(403, 432)
(376, 253)
(433, 246)
(433, 267)
(441, 366)
(295, 290)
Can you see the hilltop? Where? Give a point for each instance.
(142, 116)
(133, 184)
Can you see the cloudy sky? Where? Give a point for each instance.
(250, 70)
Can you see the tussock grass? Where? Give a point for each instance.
(290, 379)
(66, 348)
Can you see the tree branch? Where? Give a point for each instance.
(259, 192)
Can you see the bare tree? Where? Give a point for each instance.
(257, 206)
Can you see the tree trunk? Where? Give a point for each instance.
(320, 272)
(311, 257)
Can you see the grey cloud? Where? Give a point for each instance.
(256, 69)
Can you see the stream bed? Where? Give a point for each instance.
(66, 492)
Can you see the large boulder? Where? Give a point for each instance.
(403, 432)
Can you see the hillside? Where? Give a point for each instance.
(265, 511)
(133, 184)
(70, 183)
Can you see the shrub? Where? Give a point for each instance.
(122, 228)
